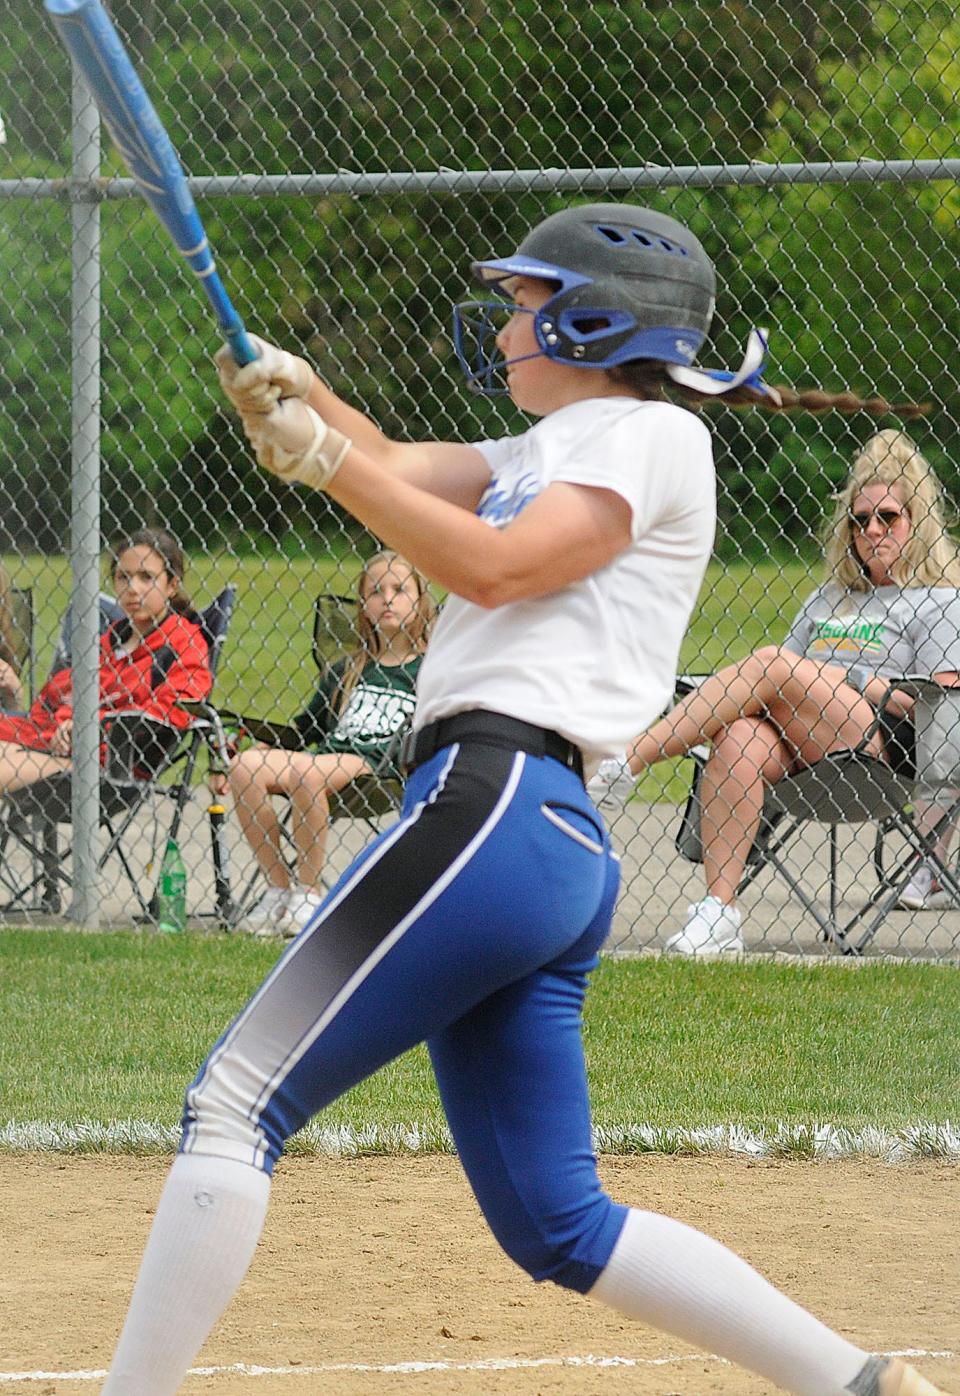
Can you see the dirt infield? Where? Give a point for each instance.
(371, 1262)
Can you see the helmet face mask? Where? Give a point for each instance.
(631, 284)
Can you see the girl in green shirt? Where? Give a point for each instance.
(363, 701)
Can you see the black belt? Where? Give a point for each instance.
(491, 729)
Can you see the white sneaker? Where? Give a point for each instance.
(712, 928)
(613, 782)
(269, 916)
(301, 905)
(920, 890)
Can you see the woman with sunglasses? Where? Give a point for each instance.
(890, 605)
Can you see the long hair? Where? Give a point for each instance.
(930, 557)
(648, 379)
(369, 644)
(9, 647)
(164, 544)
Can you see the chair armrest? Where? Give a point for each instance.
(225, 728)
(922, 686)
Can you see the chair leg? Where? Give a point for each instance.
(834, 873)
(921, 846)
(830, 931)
(50, 861)
(115, 847)
(183, 791)
(221, 867)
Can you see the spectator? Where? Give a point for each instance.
(363, 701)
(889, 606)
(151, 659)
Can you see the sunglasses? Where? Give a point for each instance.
(887, 518)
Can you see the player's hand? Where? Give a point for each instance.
(613, 783)
(272, 375)
(293, 442)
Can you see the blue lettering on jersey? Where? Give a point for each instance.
(498, 505)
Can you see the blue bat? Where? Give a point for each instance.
(88, 33)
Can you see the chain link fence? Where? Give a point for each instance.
(349, 160)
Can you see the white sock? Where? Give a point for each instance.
(203, 1237)
(685, 1283)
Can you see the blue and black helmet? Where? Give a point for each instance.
(631, 284)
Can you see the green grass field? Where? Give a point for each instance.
(267, 669)
(267, 658)
(102, 1032)
(110, 1028)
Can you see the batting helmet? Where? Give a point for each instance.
(632, 284)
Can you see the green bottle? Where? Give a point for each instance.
(172, 891)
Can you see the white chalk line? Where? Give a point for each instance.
(483, 1364)
(921, 1140)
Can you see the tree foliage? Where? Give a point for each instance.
(858, 282)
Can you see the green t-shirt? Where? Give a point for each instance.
(380, 705)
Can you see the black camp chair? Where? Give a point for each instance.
(145, 759)
(367, 799)
(852, 787)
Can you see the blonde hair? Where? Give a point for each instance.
(369, 643)
(930, 557)
(9, 646)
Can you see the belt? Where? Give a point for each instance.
(488, 729)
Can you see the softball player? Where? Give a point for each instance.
(573, 555)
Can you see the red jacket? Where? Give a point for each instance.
(169, 665)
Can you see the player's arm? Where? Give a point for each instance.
(567, 533)
(448, 469)
(451, 470)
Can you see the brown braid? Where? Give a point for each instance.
(816, 400)
(650, 380)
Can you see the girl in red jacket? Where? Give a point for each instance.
(152, 658)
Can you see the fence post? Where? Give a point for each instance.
(85, 503)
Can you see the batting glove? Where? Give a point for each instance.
(272, 375)
(613, 783)
(293, 442)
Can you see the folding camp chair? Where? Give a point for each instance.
(145, 758)
(24, 633)
(937, 726)
(108, 610)
(847, 787)
(367, 799)
(370, 797)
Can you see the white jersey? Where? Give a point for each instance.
(597, 660)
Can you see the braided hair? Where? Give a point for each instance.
(648, 379)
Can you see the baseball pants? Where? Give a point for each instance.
(472, 923)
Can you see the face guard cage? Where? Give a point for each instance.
(476, 325)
